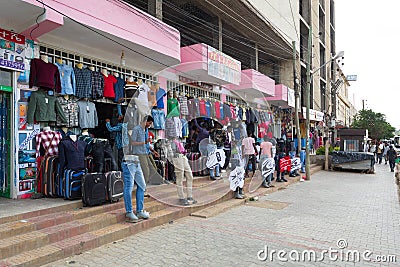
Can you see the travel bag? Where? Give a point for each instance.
(72, 184)
(115, 186)
(94, 189)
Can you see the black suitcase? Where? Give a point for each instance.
(51, 177)
(115, 186)
(94, 189)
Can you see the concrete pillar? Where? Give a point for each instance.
(155, 8)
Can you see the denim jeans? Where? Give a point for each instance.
(216, 168)
(132, 171)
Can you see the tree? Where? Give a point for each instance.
(378, 127)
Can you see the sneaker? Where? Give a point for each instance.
(143, 214)
(191, 200)
(130, 217)
(223, 170)
(283, 179)
(184, 202)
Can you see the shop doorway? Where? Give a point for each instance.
(5, 102)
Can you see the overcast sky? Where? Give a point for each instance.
(369, 33)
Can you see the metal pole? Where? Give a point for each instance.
(296, 97)
(308, 105)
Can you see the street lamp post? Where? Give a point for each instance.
(309, 76)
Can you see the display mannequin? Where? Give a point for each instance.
(104, 72)
(140, 81)
(45, 58)
(130, 79)
(59, 61)
(116, 74)
(46, 128)
(172, 105)
(66, 97)
(73, 137)
(92, 68)
(160, 96)
(85, 132)
(79, 65)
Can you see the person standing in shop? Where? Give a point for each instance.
(141, 148)
(249, 152)
(121, 139)
(202, 133)
(266, 153)
(228, 146)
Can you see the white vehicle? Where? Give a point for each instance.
(396, 143)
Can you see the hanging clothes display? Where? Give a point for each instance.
(71, 111)
(45, 75)
(87, 115)
(67, 77)
(43, 107)
(83, 79)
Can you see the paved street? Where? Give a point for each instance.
(361, 210)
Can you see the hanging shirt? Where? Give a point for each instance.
(178, 127)
(109, 82)
(97, 85)
(208, 109)
(71, 112)
(217, 110)
(143, 91)
(152, 96)
(185, 128)
(173, 108)
(67, 78)
(160, 98)
(203, 111)
(216, 156)
(119, 87)
(131, 89)
(83, 79)
(44, 107)
(183, 103)
(47, 142)
(87, 115)
(72, 155)
(266, 149)
(170, 129)
(44, 75)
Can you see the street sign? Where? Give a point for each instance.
(351, 78)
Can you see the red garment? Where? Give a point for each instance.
(285, 164)
(203, 110)
(262, 129)
(109, 82)
(233, 111)
(45, 75)
(217, 109)
(48, 140)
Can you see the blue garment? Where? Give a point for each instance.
(139, 135)
(133, 173)
(236, 133)
(121, 134)
(159, 118)
(221, 111)
(160, 98)
(303, 160)
(67, 78)
(208, 109)
(185, 128)
(119, 87)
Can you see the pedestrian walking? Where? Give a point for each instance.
(392, 154)
(385, 151)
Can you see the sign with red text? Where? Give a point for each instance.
(12, 50)
(223, 66)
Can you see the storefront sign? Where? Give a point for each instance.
(223, 66)
(319, 116)
(5, 88)
(291, 98)
(12, 50)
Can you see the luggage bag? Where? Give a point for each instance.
(94, 189)
(115, 186)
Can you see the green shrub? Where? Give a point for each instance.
(321, 150)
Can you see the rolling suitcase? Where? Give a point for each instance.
(72, 184)
(115, 186)
(94, 189)
(203, 170)
(50, 176)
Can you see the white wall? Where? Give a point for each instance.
(279, 14)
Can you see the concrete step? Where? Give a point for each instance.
(76, 225)
(87, 240)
